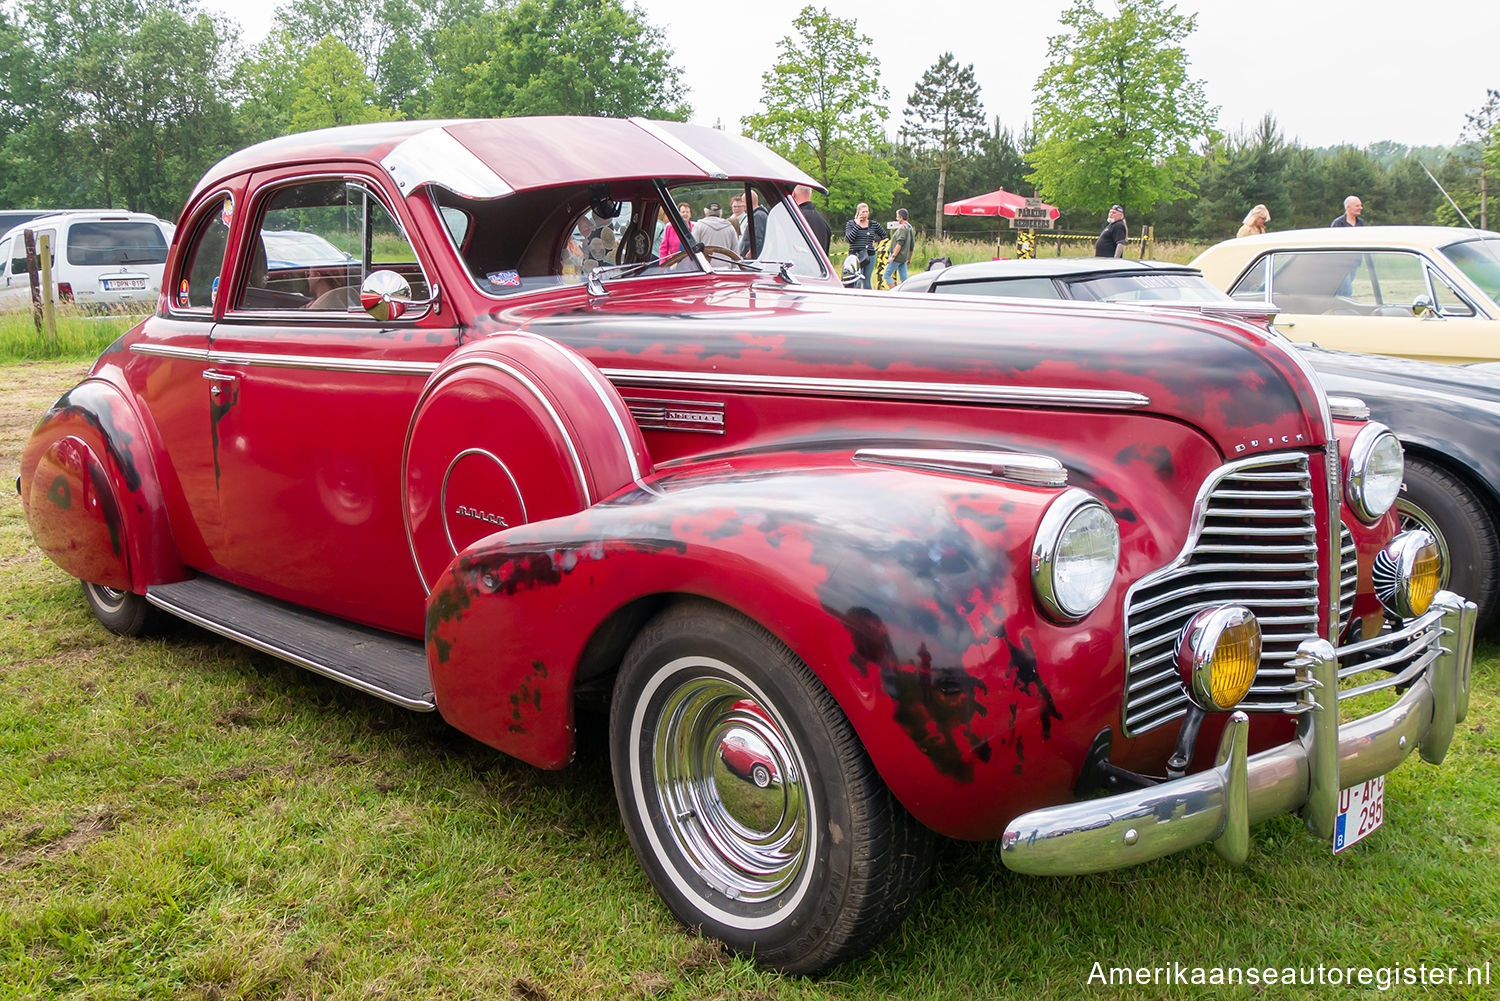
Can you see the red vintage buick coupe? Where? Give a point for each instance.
(1095, 583)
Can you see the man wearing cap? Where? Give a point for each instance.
(713, 230)
(1112, 240)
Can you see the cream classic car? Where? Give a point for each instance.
(1427, 292)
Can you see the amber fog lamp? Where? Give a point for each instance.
(1218, 654)
(1407, 574)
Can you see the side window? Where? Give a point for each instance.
(595, 240)
(1252, 285)
(1386, 283)
(316, 243)
(198, 286)
(5, 258)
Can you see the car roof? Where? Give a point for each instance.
(1245, 248)
(1056, 267)
(492, 157)
(81, 215)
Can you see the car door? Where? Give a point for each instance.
(322, 396)
(168, 373)
(1363, 300)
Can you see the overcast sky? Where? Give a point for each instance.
(1329, 72)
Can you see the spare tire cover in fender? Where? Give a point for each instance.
(513, 429)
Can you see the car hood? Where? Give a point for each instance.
(1381, 376)
(1241, 386)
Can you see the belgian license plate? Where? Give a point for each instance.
(122, 284)
(1361, 810)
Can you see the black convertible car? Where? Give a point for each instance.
(1447, 416)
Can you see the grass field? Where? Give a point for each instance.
(183, 818)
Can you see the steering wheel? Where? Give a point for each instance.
(711, 251)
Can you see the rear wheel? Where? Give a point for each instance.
(123, 612)
(1434, 499)
(810, 868)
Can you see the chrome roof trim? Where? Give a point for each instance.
(682, 149)
(435, 157)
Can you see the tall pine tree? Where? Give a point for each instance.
(945, 121)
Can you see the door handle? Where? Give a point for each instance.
(218, 381)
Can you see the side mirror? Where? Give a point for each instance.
(386, 295)
(1423, 308)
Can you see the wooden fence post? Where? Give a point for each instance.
(49, 308)
(29, 238)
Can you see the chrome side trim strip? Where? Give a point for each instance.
(944, 392)
(368, 366)
(214, 626)
(1017, 467)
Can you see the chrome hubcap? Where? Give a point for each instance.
(731, 787)
(1412, 518)
(108, 598)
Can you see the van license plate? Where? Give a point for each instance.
(1361, 810)
(122, 284)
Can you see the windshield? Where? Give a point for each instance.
(1148, 288)
(1479, 260)
(545, 237)
(101, 244)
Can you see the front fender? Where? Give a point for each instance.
(906, 592)
(90, 491)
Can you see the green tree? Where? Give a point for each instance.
(944, 122)
(331, 88)
(127, 104)
(394, 40)
(1248, 169)
(824, 110)
(1481, 136)
(1117, 115)
(553, 57)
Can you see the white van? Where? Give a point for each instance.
(99, 258)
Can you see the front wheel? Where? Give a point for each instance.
(1434, 499)
(799, 873)
(123, 612)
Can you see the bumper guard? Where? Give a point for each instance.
(1219, 804)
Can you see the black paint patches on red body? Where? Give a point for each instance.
(95, 408)
(936, 707)
(526, 700)
(1157, 457)
(1024, 675)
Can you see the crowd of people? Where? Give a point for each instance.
(743, 230)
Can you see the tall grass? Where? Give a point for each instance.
(79, 334)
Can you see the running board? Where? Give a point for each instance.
(382, 664)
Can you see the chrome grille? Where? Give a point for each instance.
(1254, 543)
(1348, 576)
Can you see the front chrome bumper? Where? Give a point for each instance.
(1219, 804)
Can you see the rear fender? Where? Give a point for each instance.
(91, 495)
(511, 429)
(907, 593)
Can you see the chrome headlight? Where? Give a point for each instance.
(1376, 465)
(1075, 555)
